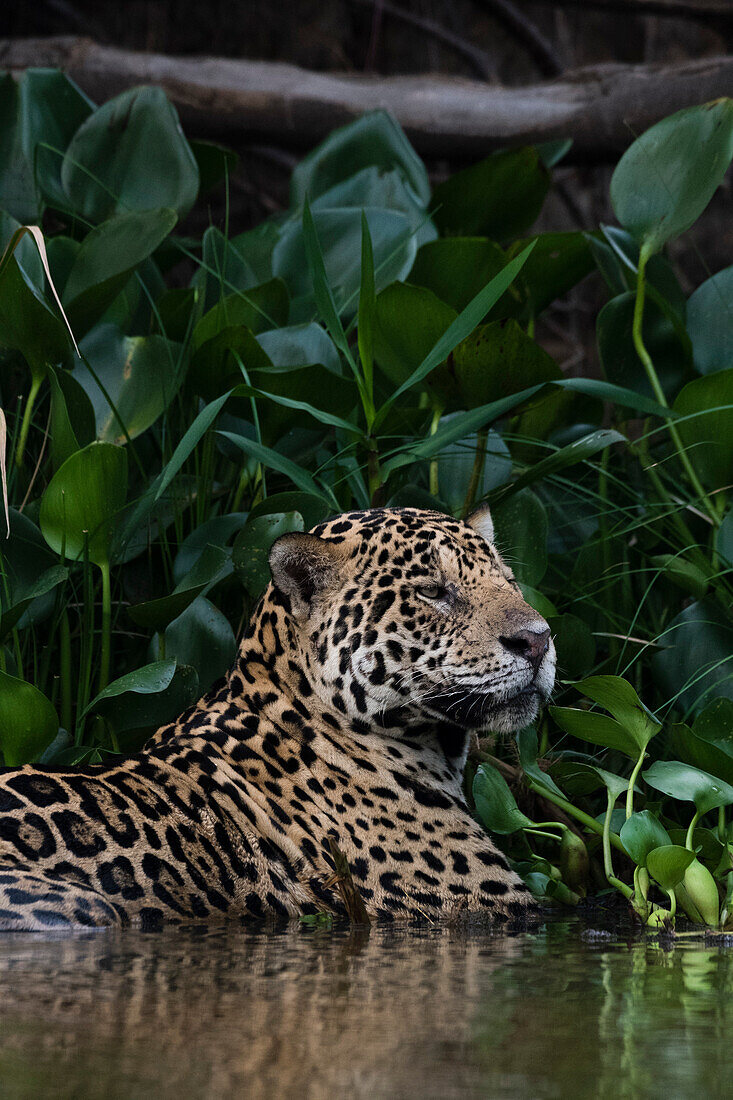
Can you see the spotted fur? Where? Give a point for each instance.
(385, 637)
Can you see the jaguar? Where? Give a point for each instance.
(384, 639)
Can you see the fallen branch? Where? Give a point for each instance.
(600, 108)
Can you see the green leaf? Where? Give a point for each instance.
(596, 728)
(694, 662)
(668, 346)
(321, 415)
(25, 558)
(275, 461)
(213, 532)
(377, 188)
(614, 784)
(28, 721)
(456, 268)
(138, 715)
(495, 803)
(215, 162)
(499, 359)
(106, 259)
(250, 555)
(140, 374)
(72, 417)
(724, 537)
(313, 509)
(455, 466)
(710, 755)
(408, 322)
(17, 193)
(578, 451)
(715, 722)
(559, 261)
(202, 638)
(668, 863)
(521, 535)
(85, 497)
(259, 308)
(667, 177)
(689, 784)
(130, 155)
(190, 440)
(367, 295)
(710, 323)
(23, 598)
(708, 434)
(157, 614)
(528, 751)
(641, 834)
(619, 698)
(52, 108)
(574, 644)
(147, 680)
(299, 346)
(28, 324)
(684, 574)
(499, 197)
(373, 140)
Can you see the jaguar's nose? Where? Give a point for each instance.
(531, 644)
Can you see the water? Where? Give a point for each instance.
(566, 1010)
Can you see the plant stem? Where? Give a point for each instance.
(632, 781)
(477, 470)
(573, 811)
(653, 377)
(65, 646)
(540, 832)
(722, 831)
(691, 830)
(434, 483)
(374, 472)
(36, 381)
(607, 861)
(106, 625)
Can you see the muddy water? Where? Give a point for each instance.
(569, 1009)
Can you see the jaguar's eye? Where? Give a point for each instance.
(432, 591)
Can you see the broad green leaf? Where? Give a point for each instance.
(614, 784)
(408, 322)
(373, 140)
(28, 721)
(300, 345)
(202, 638)
(130, 154)
(314, 510)
(217, 531)
(667, 864)
(107, 257)
(374, 187)
(456, 268)
(12, 612)
(715, 722)
(72, 417)
(574, 644)
(559, 261)
(689, 784)
(596, 728)
(618, 697)
(28, 324)
(84, 498)
(710, 323)
(138, 715)
(17, 193)
(25, 557)
(157, 614)
(499, 197)
(52, 108)
(668, 346)
(259, 308)
(367, 295)
(528, 751)
(139, 374)
(712, 756)
(275, 461)
(319, 414)
(724, 537)
(217, 364)
(250, 555)
(147, 680)
(578, 451)
(694, 662)
(455, 466)
(683, 574)
(708, 434)
(495, 803)
(498, 359)
(521, 535)
(215, 162)
(667, 177)
(641, 834)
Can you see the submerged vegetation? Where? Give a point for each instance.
(173, 404)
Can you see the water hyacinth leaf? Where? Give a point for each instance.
(339, 236)
(319, 414)
(499, 197)
(498, 359)
(214, 532)
(139, 374)
(73, 424)
(724, 537)
(574, 644)
(259, 308)
(373, 140)
(668, 346)
(209, 568)
(710, 323)
(25, 557)
(667, 177)
(148, 680)
(683, 574)
(596, 728)
(528, 746)
(217, 364)
(202, 638)
(559, 261)
(28, 324)
(694, 661)
(620, 699)
(52, 108)
(660, 276)
(130, 154)
(300, 345)
(641, 834)
(215, 162)
(715, 722)
(11, 613)
(313, 509)
(83, 500)
(715, 757)
(495, 803)
(614, 784)
(373, 187)
(276, 461)
(578, 451)
(521, 533)
(682, 781)
(668, 863)
(138, 715)
(17, 193)
(107, 257)
(456, 268)
(223, 268)
(408, 322)
(250, 555)
(455, 466)
(708, 434)
(28, 721)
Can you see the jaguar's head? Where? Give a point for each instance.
(402, 614)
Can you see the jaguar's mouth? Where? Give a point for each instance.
(482, 710)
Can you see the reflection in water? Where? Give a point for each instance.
(423, 1012)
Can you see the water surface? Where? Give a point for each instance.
(569, 1009)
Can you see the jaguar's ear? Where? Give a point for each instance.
(303, 565)
(482, 523)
